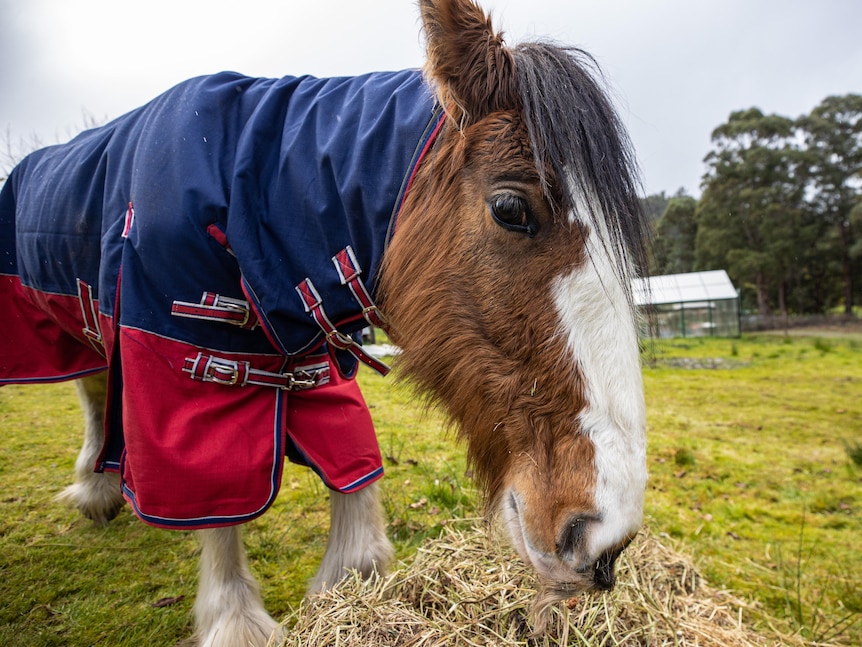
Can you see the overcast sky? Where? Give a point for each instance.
(677, 68)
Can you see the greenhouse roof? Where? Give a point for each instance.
(714, 285)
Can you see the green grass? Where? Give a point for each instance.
(65, 582)
(854, 451)
(751, 470)
(766, 495)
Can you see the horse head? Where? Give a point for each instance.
(507, 285)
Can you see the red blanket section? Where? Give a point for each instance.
(201, 454)
(197, 454)
(41, 337)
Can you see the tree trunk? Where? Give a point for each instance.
(762, 295)
(847, 267)
(782, 305)
(782, 298)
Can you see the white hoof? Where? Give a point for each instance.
(241, 630)
(357, 539)
(96, 495)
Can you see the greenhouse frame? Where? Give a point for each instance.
(696, 304)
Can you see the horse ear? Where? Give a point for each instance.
(471, 69)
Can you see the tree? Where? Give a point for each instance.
(748, 216)
(856, 225)
(654, 205)
(833, 166)
(675, 236)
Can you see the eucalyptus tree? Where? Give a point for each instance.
(750, 210)
(675, 234)
(833, 173)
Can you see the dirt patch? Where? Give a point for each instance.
(713, 363)
(848, 328)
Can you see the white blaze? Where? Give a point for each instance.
(602, 337)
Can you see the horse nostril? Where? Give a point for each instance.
(605, 577)
(572, 537)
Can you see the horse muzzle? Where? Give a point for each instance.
(573, 566)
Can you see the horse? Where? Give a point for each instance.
(203, 266)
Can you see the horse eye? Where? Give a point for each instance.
(512, 213)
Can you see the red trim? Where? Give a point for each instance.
(218, 235)
(130, 220)
(431, 139)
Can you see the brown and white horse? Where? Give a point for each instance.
(507, 287)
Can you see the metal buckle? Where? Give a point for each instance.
(297, 385)
(216, 367)
(306, 380)
(237, 306)
(344, 342)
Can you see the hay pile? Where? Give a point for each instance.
(461, 590)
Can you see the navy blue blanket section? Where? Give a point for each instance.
(290, 171)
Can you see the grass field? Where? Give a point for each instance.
(752, 447)
(751, 468)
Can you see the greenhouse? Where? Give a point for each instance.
(697, 304)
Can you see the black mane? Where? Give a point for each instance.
(576, 132)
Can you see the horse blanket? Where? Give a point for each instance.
(216, 251)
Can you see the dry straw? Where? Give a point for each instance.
(460, 591)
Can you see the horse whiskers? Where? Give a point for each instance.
(550, 594)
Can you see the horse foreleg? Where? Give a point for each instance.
(228, 609)
(357, 538)
(97, 495)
